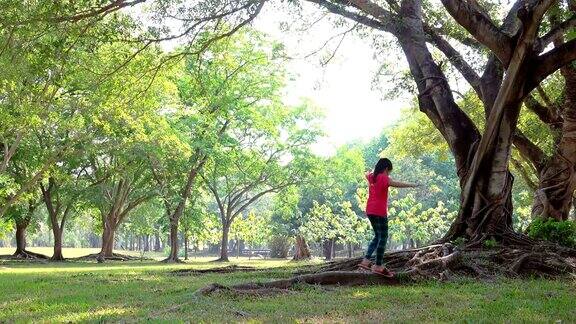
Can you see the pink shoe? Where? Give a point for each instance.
(382, 271)
(365, 265)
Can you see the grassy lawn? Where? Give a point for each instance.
(75, 291)
(78, 252)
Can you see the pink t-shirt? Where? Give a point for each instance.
(377, 204)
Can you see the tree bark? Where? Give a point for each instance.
(486, 195)
(327, 249)
(174, 244)
(237, 248)
(146, 243)
(21, 226)
(557, 181)
(185, 246)
(55, 208)
(302, 252)
(107, 249)
(157, 246)
(462, 136)
(224, 243)
(57, 256)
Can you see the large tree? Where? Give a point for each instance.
(216, 87)
(514, 68)
(266, 151)
(44, 64)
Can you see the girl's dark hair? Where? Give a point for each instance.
(381, 166)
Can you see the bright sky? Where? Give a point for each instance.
(343, 88)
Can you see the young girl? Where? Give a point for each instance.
(377, 212)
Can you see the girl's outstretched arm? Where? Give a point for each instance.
(399, 184)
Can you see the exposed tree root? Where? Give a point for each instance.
(25, 255)
(436, 262)
(172, 260)
(348, 278)
(115, 257)
(29, 255)
(228, 269)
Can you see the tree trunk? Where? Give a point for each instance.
(224, 243)
(107, 249)
(486, 208)
(327, 249)
(185, 246)
(349, 250)
(333, 248)
(57, 256)
(553, 199)
(238, 248)
(174, 244)
(21, 226)
(302, 251)
(157, 246)
(146, 243)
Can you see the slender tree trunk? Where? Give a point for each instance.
(157, 246)
(185, 246)
(349, 250)
(302, 252)
(174, 244)
(237, 248)
(224, 243)
(333, 248)
(146, 243)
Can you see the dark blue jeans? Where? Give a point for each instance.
(378, 243)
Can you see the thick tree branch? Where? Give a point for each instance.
(525, 174)
(544, 113)
(9, 151)
(557, 31)
(529, 151)
(455, 58)
(481, 27)
(549, 62)
(133, 204)
(390, 26)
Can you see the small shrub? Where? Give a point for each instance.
(279, 246)
(491, 243)
(563, 232)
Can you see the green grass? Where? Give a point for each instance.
(75, 291)
(78, 252)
